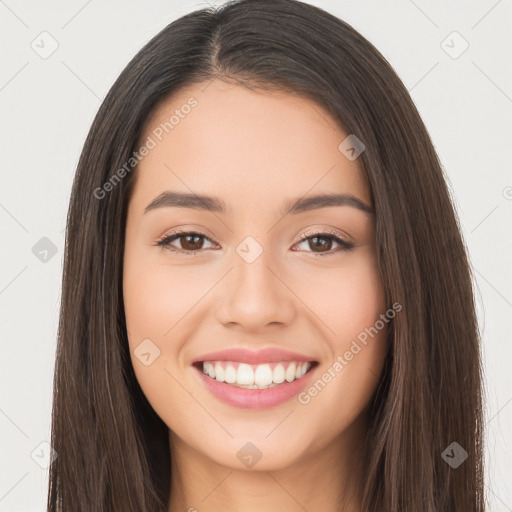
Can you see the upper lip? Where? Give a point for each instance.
(267, 355)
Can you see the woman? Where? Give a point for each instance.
(266, 304)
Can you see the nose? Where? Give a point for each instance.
(255, 296)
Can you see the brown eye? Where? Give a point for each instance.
(322, 243)
(189, 242)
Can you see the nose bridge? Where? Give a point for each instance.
(254, 296)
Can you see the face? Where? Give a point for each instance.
(236, 286)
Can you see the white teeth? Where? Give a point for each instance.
(256, 376)
(263, 375)
(278, 374)
(230, 375)
(219, 372)
(245, 375)
(208, 369)
(290, 373)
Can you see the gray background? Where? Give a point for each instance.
(47, 106)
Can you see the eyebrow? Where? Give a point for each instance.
(213, 204)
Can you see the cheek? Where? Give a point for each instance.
(350, 302)
(360, 302)
(162, 303)
(157, 296)
(347, 299)
(157, 299)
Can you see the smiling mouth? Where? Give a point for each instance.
(255, 376)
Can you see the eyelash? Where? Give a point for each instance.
(165, 242)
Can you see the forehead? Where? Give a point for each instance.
(245, 146)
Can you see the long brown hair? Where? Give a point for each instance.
(112, 448)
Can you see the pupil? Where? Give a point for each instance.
(321, 245)
(191, 244)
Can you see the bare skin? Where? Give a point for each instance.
(255, 152)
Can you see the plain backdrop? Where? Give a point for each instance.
(47, 105)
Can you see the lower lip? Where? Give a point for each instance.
(255, 398)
